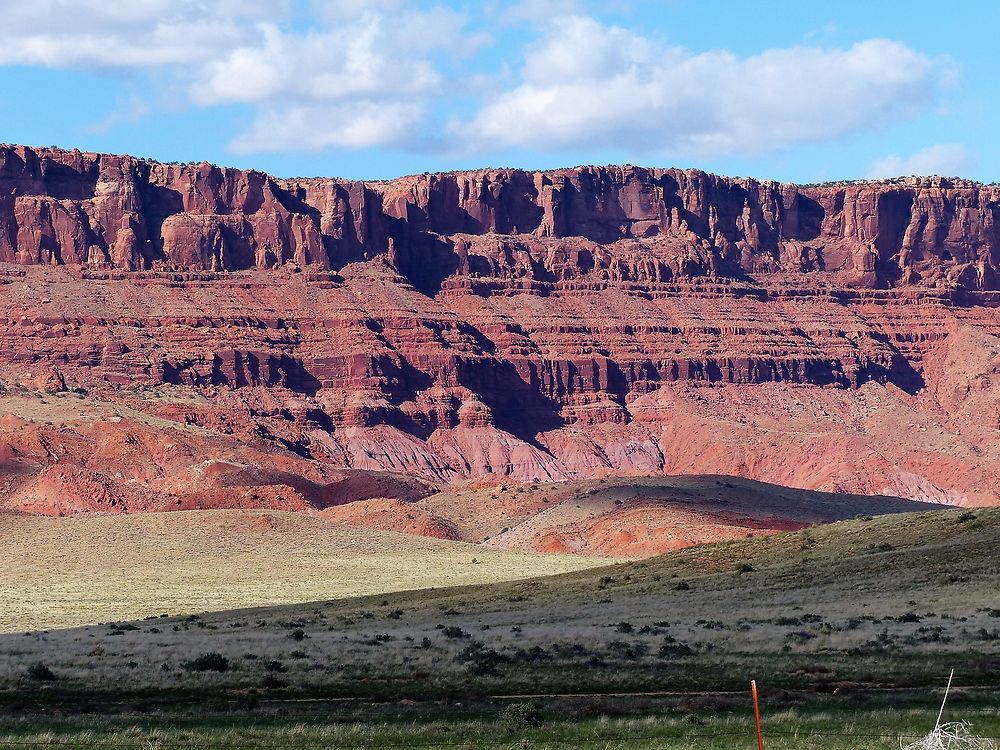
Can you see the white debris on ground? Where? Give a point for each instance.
(952, 736)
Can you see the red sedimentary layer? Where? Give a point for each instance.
(546, 325)
(625, 224)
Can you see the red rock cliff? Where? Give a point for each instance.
(594, 223)
(538, 325)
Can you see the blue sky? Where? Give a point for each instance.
(372, 89)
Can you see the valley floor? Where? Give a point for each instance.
(60, 572)
(851, 628)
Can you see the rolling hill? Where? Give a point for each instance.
(616, 516)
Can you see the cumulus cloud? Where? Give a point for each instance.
(361, 83)
(341, 73)
(590, 85)
(348, 62)
(126, 33)
(943, 159)
(353, 125)
(354, 74)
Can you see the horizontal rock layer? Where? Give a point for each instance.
(592, 224)
(854, 390)
(539, 326)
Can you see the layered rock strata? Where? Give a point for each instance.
(536, 325)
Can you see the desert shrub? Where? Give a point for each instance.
(672, 648)
(566, 650)
(533, 654)
(630, 652)
(800, 636)
(787, 621)
(41, 673)
(623, 627)
(453, 631)
(480, 660)
(520, 715)
(298, 635)
(951, 735)
(210, 662)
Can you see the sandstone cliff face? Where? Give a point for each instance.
(540, 326)
(68, 208)
(603, 224)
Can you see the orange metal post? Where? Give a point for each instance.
(756, 713)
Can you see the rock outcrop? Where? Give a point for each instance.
(601, 224)
(543, 326)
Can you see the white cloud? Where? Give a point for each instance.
(126, 33)
(590, 85)
(359, 73)
(943, 159)
(348, 62)
(353, 125)
(347, 73)
(334, 11)
(364, 82)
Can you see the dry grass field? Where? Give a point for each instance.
(851, 628)
(889, 600)
(59, 572)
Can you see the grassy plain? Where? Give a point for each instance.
(796, 723)
(851, 629)
(60, 572)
